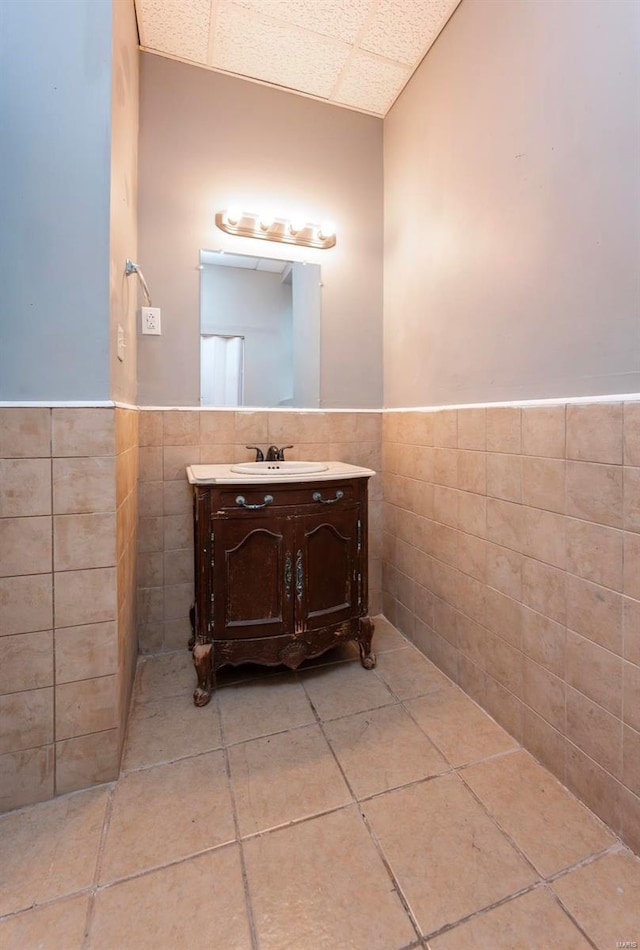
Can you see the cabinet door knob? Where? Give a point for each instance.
(240, 500)
(317, 496)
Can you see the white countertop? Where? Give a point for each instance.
(222, 475)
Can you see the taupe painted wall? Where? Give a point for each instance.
(512, 207)
(123, 205)
(55, 100)
(207, 140)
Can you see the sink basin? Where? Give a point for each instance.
(273, 469)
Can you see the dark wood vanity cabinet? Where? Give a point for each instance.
(281, 574)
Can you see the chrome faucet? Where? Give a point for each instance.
(274, 454)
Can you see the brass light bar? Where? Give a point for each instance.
(247, 224)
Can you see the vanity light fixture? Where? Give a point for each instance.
(266, 227)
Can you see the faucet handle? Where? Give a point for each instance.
(259, 452)
(281, 452)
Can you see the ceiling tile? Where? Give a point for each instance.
(366, 49)
(341, 19)
(252, 45)
(371, 84)
(404, 29)
(176, 27)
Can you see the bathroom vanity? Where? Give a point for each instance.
(280, 565)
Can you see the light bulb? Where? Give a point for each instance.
(233, 214)
(327, 229)
(297, 223)
(266, 220)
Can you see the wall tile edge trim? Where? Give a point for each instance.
(109, 404)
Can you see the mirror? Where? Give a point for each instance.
(259, 331)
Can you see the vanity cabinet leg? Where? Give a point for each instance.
(192, 621)
(367, 658)
(202, 660)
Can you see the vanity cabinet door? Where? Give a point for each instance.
(252, 573)
(328, 571)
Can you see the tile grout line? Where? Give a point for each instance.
(457, 769)
(497, 824)
(614, 848)
(562, 779)
(106, 823)
(617, 846)
(396, 885)
(543, 880)
(96, 889)
(571, 917)
(236, 823)
(54, 637)
(476, 915)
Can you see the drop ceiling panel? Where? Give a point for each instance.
(340, 19)
(262, 48)
(403, 30)
(371, 84)
(179, 27)
(356, 53)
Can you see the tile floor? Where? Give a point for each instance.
(334, 808)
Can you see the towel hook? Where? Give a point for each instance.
(131, 268)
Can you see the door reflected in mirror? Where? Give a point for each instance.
(259, 331)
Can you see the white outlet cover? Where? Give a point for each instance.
(150, 321)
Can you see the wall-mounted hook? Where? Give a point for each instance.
(131, 268)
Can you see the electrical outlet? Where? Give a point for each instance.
(150, 320)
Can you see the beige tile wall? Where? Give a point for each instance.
(62, 634)
(172, 439)
(126, 447)
(512, 558)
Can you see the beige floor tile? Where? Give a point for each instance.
(344, 689)
(263, 706)
(408, 674)
(172, 728)
(167, 674)
(278, 779)
(197, 903)
(320, 885)
(534, 921)
(459, 728)
(50, 850)
(57, 926)
(382, 749)
(446, 853)
(553, 829)
(604, 898)
(166, 813)
(386, 637)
